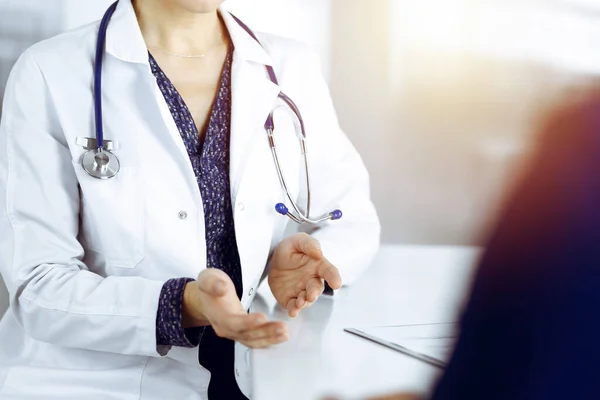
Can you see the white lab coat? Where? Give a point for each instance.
(85, 260)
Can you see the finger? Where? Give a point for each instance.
(314, 288)
(292, 309)
(270, 333)
(266, 342)
(301, 300)
(233, 326)
(295, 312)
(309, 246)
(291, 304)
(331, 274)
(269, 330)
(214, 282)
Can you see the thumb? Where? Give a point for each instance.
(214, 282)
(308, 245)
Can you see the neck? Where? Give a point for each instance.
(172, 28)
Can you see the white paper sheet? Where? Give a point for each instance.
(431, 343)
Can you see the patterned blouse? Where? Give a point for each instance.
(210, 160)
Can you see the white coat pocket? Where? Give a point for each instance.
(112, 216)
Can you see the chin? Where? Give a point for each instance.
(199, 6)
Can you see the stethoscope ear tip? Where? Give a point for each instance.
(336, 214)
(281, 209)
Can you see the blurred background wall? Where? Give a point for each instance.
(441, 97)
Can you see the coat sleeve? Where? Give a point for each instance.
(53, 295)
(339, 180)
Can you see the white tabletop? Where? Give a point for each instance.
(405, 285)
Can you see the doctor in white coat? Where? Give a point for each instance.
(95, 268)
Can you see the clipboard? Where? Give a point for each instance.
(430, 343)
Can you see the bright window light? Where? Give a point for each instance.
(429, 25)
(548, 33)
(559, 33)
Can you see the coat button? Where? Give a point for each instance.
(241, 206)
(237, 372)
(183, 215)
(251, 291)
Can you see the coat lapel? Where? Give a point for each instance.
(253, 97)
(253, 93)
(133, 50)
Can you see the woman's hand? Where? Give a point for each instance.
(298, 272)
(212, 300)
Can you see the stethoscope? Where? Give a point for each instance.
(101, 163)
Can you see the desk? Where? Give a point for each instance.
(405, 285)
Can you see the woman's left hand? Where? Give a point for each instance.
(298, 272)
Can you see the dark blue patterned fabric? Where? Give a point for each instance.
(209, 156)
(210, 160)
(169, 330)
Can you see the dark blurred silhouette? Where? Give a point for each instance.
(531, 329)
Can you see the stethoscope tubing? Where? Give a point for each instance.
(91, 159)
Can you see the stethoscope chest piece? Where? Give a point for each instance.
(100, 164)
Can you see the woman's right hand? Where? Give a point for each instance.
(212, 300)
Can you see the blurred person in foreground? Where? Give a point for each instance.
(531, 327)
